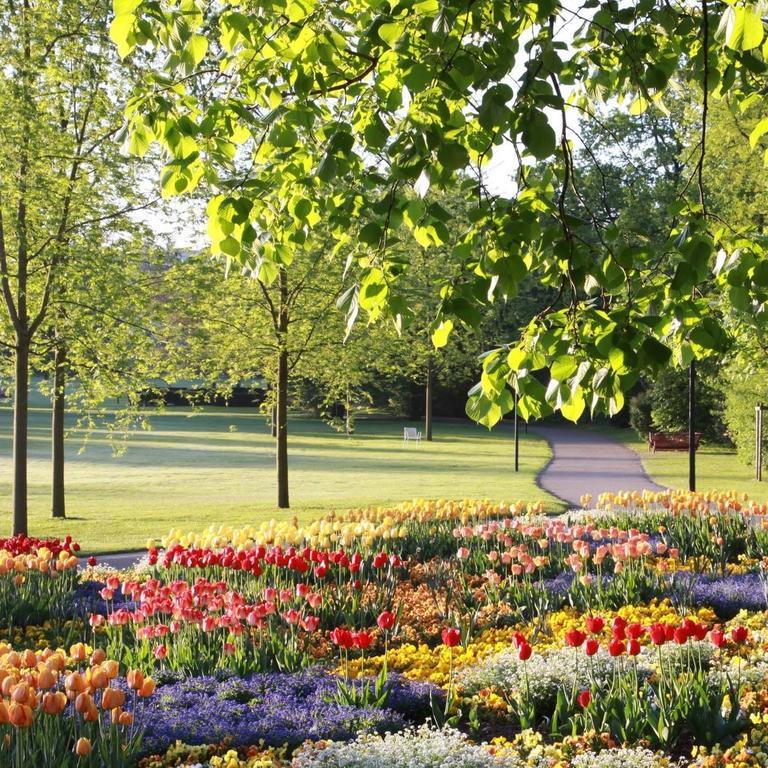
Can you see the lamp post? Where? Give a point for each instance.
(517, 439)
(691, 426)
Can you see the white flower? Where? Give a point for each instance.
(422, 747)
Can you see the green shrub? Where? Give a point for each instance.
(743, 392)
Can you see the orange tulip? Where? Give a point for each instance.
(4, 717)
(111, 698)
(54, 703)
(112, 668)
(135, 679)
(75, 682)
(28, 659)
(46, 679)
(98, 657)
(20, 715)
(148, 688)
(83, 703)
(98, 677)
(83, 747)
(78, 652)
(126, 718)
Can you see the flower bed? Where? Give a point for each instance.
(464, 633)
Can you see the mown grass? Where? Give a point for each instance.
(216, 465)
(717, 467)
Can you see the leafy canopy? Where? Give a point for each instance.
(357, 114)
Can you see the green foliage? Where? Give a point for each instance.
(426, 102)
(745, 389)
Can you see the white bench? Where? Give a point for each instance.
(411, 433)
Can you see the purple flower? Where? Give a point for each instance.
(280, 708)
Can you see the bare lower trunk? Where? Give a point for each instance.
(20, 425)
(58, 508)
(282, 396)
(428, 401)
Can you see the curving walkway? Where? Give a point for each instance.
(584, 461)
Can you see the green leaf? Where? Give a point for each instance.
(747, 31)
(441, 334)
(391, 33)
(453, 156)
(539, 136)
(120, 30)
(197, 47)
(574, 407)
(370, 234)
(125, 6)
(563, 367)
(757, 132)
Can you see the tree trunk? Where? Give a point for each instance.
(57, 432)
(428, 401)
(20, 427)
(282, 395)
(273, 419)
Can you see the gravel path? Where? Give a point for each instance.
(585, 461)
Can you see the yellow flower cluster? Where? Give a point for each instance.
(749, 751)
(179, 755)
(530, 747)
(420, 662)
(680, 501)
(360, 526)
(40, 636)
(657, 611)
(42, 561)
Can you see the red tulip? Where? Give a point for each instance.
(635, 631)
(575, 638)
(592, 646)
(342, 638)
(616, 647)
(584, 698)
(658, 634)
(386, 620)
(380, 560)
(524, 652)
(718, 638)
(681, 635)
(634, 647)
(739, 634)
(362, 639)
(594, 624)
(91, 561)
(451, 636)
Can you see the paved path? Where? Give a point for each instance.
(585, 461)
(121, 559)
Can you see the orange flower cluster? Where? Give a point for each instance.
(36, 684)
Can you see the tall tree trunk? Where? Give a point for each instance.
(20, 427)
(428, 400)
(273, 420)
(58, 508)
(282, 394)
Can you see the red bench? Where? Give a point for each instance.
(671, 441)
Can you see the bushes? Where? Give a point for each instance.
(663, 404)
(742, 393)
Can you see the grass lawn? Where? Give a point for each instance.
(717, 468)
(217, 466)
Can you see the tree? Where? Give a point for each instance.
(58, 174)
(103, 341)
(265, 323)
(355, 108)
